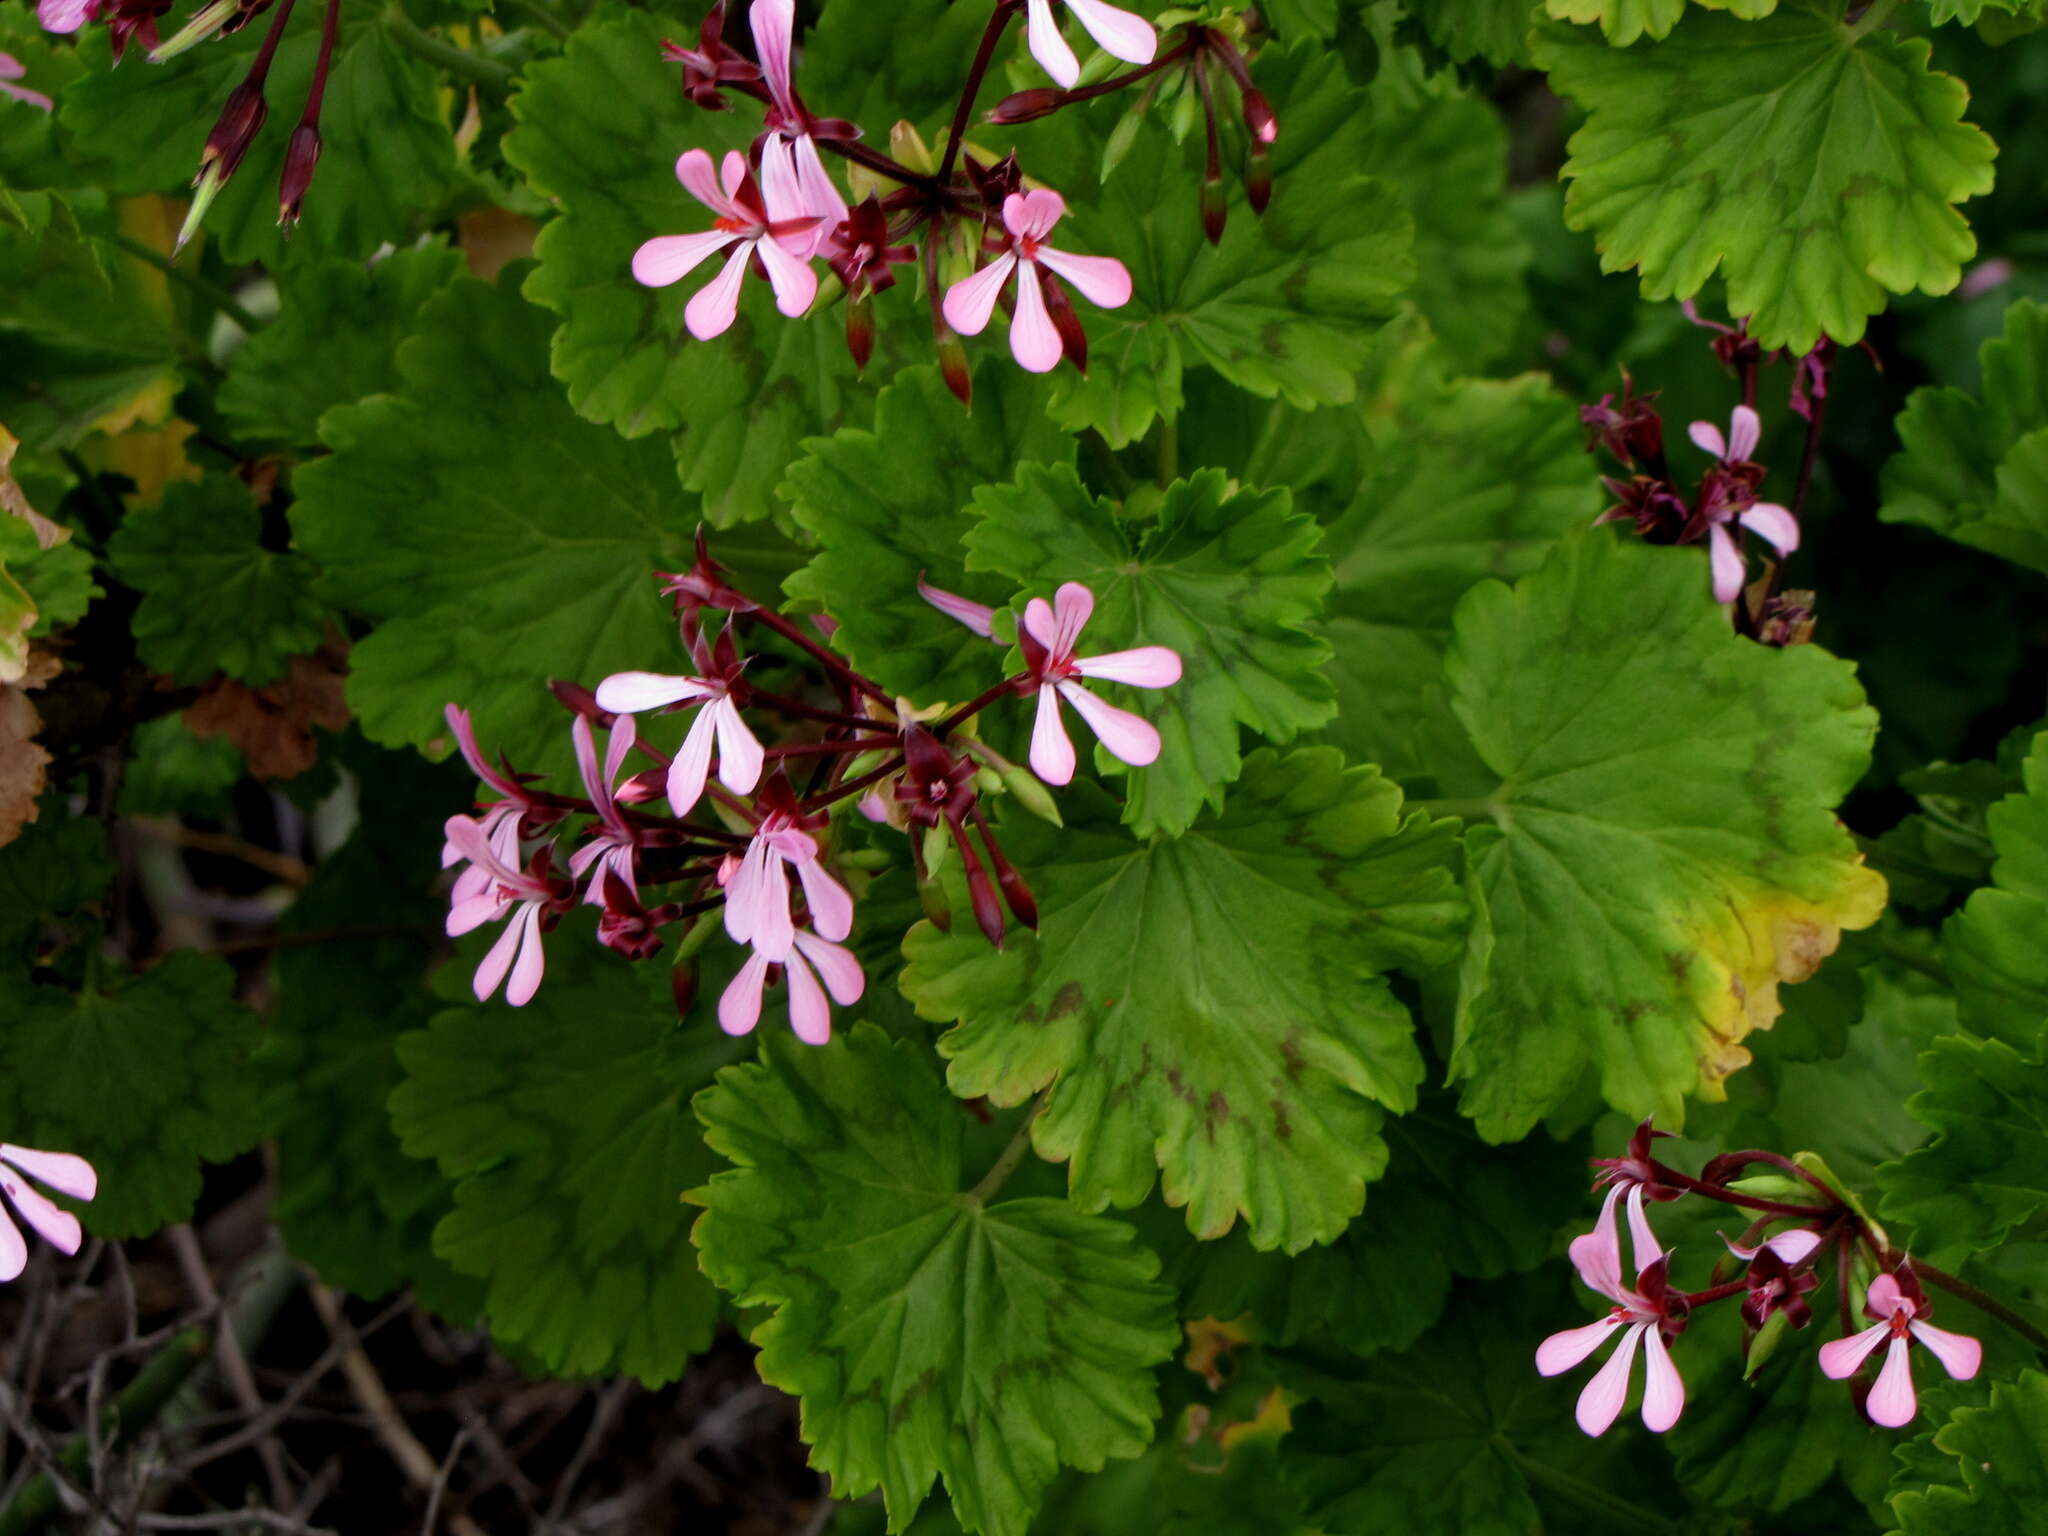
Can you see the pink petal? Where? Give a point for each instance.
(62, 16)
(1839, 1358)
(1795, 1247)
(830, 902)
(1034, 339)
(1707, 438)
(794, 281)
(969, 302)
(1149, 666)
(1884, 1298)
(63, 1171)
(1130, 738)
(1663, 1389)
(1039, 624)
(1601, 1401)
(1121, 34)
(670, 258)
(472, 912)
(780, 193)
(817, 193)
(491, 973)
(1052, 754)
(842, 972)
(1959, 1354)
(740, 757)
(21, 93)
(810, 1016)
(586, 758)
(1102, 280)
(975, 616)
(739, 1007)
(1744, 428)
(1648, 1249)
(732, 170)
(1729, 569)
(13, 1250)
(526, 975)
(1561, 1351)
(1774, 524)
(1891, 1401)
(1049, 48)
(1073, 605)
(692, 764)
(757, 902)
(713, 308)
(627, 693)
(617, 745)
(1032, 215)
(1597, 1254)
(873, 806)
(700, 179)
(774, 24)
(59, 1228)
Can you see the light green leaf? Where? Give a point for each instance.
(1813, 163)
(1228, 578)
(2000, 1455)
(928, 1332)
(1494, 30)
(1997, 946)
(1661, 852)
(1208, 1009)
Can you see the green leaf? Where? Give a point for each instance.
(1976, 470)
(145, 1077)
(213, 598)
(1969, 11)
(2004, 1468)
(1228, 578)
(500, 539)
(1997, 946)
(888, 505)
(57, 865)
(387, 155)
(58, 582)
(1661, 851)
(334, 341)
(599, 131)
(566, 1127)
(1985, 1174)
(1460, 483)
(928, 1332)
(1815, 164)
(1286, 306)
(1208, 1009)
(1622, 21)
(1494, 30)
(171, 772)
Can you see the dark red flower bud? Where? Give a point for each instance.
(1258, 118)
(1258, 180)
(1215, 210)
(1026, 106)
(300, 158)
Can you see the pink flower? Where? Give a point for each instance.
(1644, 1312)
(810, 1016)
(1779, 1277)
(774, 25)
(12, 69)
(767, 222)
(66, 15)
(740, 757)
(1037, 339)
(1047, 637)
(757, 887)
(494, 886)
(62, 1171)
(978, 617)
(614, 839)
(1729, 496)
(1898, 1308)
(1120, 34)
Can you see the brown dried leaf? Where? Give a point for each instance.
(48, 534)
(273, 725)
(24, 764)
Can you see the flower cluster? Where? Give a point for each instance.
(1779, 1269)
(982, 233)
(64, 1172)
(748, 831)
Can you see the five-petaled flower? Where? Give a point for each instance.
(1121, 35)
(493, 886)
(63, 1171)
(740, 756)
(1047, 637)
(1044, 327)
(613, 839)
(763, 220)
(1649, 1312)
(1729, 496)
(1779, 1277)
(774, 26)
(1900, 1308)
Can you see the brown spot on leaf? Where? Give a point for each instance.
(273, 725)
(1282, 1127)
(1066, 1002)
(1215, 1113)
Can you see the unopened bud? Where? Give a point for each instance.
(953, 368)
(240, 120)
(1214, 210)
(1031, 793)
(1027, 106)
(300, 158)
(1258, 118)
(1123, 136)
(860, 332)
(1761, 1347)
(1258, 180)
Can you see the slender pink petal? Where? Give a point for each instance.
(670, 258)
(969, 302)
(792, 278)
(1149, 666)
(1959, 1354)
(1561, 1351)
(490, 975)
(1048, 47)
(1729, 569)
(774, 24)
(1597, 1254)
(1884, 1297)
(65, 1172)
(12, 69)
(1034, 339)
(1073, 605)
(976, 616)
(1052, 754)
(1032, 215)
(713, 308)
(1839, 1358)
(700, 179)
(472, 912)
(1795, 1247)
(1601, 1401)
(13, 1249)
(757, 902)
(873, 806)
(628, 693)
(617, 745)
(1744, 428)
(692, 764)
(810, 1016)
(1041, 626)
(1707, 438)
(843, 976)
(1102, 280)
(732, 170)
(59, 1228)
(817, 193)
(1663, 1389)
(1891, 1401)
(63, 16)
(1648, 1249)
(830, 902)
(1774, 524)
(1130, 738)
(1120, 34)
(739, 1007)
(740, 757)
(526, 974)
(781, 194)
(586, 757)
